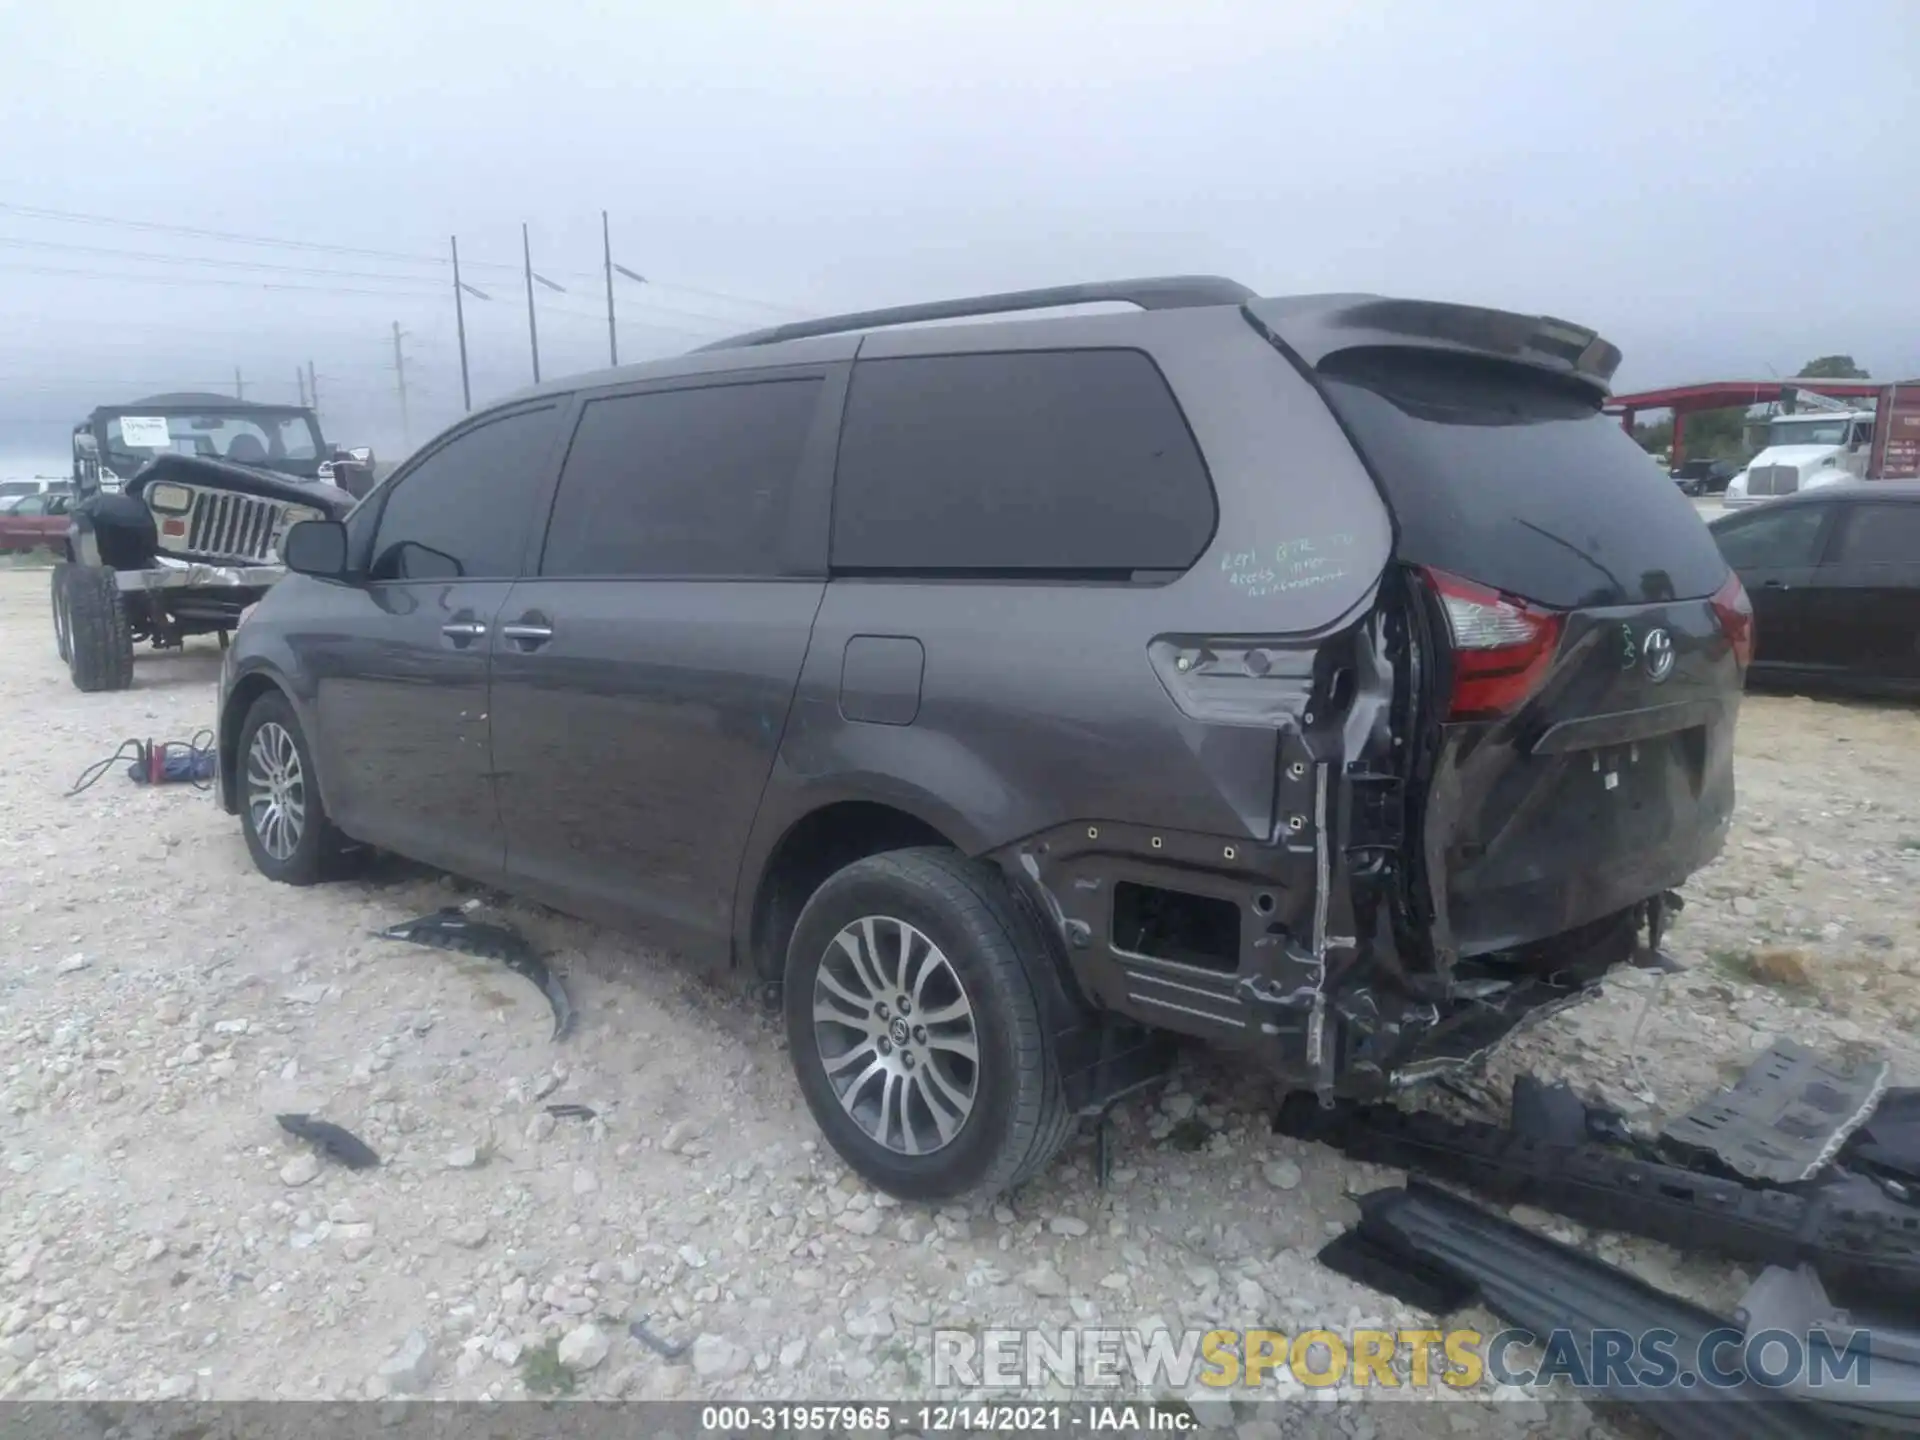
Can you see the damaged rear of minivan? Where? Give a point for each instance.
(1493, 771)
(1560, 650)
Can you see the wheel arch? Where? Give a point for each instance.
(814, 844)
(245, 692)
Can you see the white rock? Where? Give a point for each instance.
(793, 1352)
(859, 1222)
(73, 963)
(300, 1170)
(678, 1134)
(170, 1010)
(584, 1182)
(1067, 1225)
(1044, 1280)
(464, 1157)
(875, 1324)
(410, 1368)
(583, 1347)
(469, 1235)
(717, 1358)
(1282, 1174)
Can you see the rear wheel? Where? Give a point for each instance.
(915, 1027)
(99, 641)
(62, 620)
(282, 815)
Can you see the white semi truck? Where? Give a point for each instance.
(1821, 441)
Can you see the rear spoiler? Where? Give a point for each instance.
(1317, 327)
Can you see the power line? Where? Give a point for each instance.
(36, 212)
(211, 280)
(220, 262)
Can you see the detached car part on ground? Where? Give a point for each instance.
(1372, 698)
(183, 550)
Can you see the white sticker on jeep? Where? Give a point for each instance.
(145, 432)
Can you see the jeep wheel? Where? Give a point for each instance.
(62, 619)
(99, 641)
(915, 1027)
(281, 813)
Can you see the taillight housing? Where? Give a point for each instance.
(1502, 647)
(1734, 611)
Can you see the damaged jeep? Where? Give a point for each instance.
(1325, 678)
(180, 504)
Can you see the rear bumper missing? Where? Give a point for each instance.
(1334, 1015)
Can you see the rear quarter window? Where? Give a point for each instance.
(1516, 480)
(1787, 538)
(1073, 463)
(1877, 534)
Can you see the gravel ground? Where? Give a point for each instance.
(160, 1003)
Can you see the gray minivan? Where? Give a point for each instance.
(1325, 677)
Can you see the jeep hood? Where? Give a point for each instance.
(225, 475)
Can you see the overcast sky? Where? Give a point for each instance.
(1721, 188)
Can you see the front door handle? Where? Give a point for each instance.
(1775, 585)
(530, 631)
(463, 632)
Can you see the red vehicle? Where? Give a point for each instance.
(35, 522)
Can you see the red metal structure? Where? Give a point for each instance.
(1684, 400)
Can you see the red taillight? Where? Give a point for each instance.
(1735, 613)
(1502, 647)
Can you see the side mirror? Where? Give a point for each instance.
(316, 547)
(361, 455)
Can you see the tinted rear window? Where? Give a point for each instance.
(1518, 481)
(1063, 462)
(1878, 535)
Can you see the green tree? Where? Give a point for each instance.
(1715, 435)
(1656, 437)
(1832, 367)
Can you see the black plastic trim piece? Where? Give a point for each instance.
(1864, 1244)
(1541, 1286)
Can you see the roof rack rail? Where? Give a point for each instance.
(1167, 292)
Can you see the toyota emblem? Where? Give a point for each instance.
(1657, 649)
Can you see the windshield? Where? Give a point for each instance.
(278, 440)
(1807, 432)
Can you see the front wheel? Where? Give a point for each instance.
(282, 815)
(915, 1027)
(99, 638)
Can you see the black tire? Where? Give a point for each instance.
(1018, 1117)
(62, 619)
(100, 641)
(320, 852)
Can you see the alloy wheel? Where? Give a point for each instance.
(276, 791)
(896, 1035)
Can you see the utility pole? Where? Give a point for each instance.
(606, 250)
(239, 389)
(313, 388)
(460, 322)
(533, 326)
(300, 379)
(400, 380)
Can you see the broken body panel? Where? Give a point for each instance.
(1415, 843)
